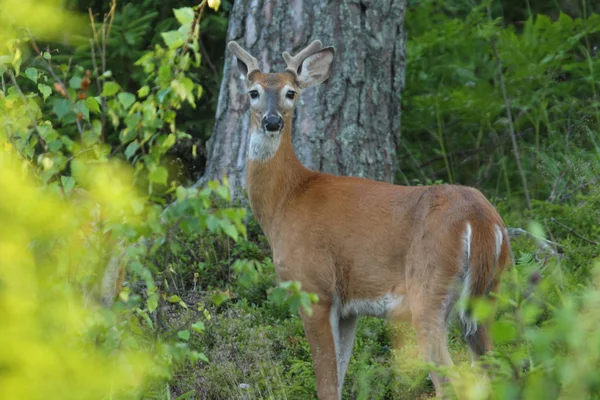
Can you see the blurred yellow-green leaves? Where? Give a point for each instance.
(43, 19)
(49, 265)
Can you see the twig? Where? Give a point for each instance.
(553, 241)
(507, 105)
(571, 230)
(194, 31)
(553, 192)
(54, 76)
(544, 244)
(97, 75)
(192, 253)
(206, 58)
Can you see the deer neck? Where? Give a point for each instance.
(273, 172)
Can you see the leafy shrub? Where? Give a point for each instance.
(455, 125)
(75, 213)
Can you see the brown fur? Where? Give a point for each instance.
(348, 238)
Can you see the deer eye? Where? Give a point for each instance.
(290, 94)
(253, 94)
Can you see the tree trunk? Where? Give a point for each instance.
(350, 125)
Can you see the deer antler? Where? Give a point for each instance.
(244, 56)
(293, 63)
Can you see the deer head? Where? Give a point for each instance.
(273, 96)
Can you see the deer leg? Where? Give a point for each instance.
(347, 333)
(432, 338)
(479, 342)
(322, 332)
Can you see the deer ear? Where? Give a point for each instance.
(242, 68)
(315, 68)
(246, 64)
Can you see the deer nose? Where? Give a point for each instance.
(272, 122)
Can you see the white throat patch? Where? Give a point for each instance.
(262, 146)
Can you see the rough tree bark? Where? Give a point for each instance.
(350, 125)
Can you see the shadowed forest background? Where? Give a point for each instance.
(131, 266)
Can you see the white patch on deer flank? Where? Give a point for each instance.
(378, 307)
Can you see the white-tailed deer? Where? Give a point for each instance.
(364, 247)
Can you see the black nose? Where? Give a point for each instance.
(272, 122)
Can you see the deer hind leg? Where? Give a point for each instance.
(346, 334)
(322, 332)
(434, 349)
(429, 321)
(479, 342)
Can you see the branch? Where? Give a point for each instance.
(574, 232)
(507, 105)
(54, 76)
(543, 244)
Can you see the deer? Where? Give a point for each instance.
(364, 247)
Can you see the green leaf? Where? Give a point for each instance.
(184, 334)
(143, 91)
(285, 284)
(229, 229)
(75, 82)
(195, 356)
(174, 39)
(277, 296)
(198, 327)
(168, 142)
(223, 192)
(219, 297)
(32, 74)
(159, 175)
(82, 108)
(174, 299)
(126, 99)
(68, 183)
(110, 89)
(17, 59)
(504, 331)
(184, 88)
(47, 55)
(61, 107)
(93, 105)
(152, 302)
(145, 317)
(131, 149)
(45, 90)
(184, 15)
(55, 145)
(482, 309)
(212, 223)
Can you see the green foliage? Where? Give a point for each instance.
(291, 292)
(455, 120)
(135, 27)
(88, 172)
(87, 209)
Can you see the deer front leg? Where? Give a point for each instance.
(322, 332)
